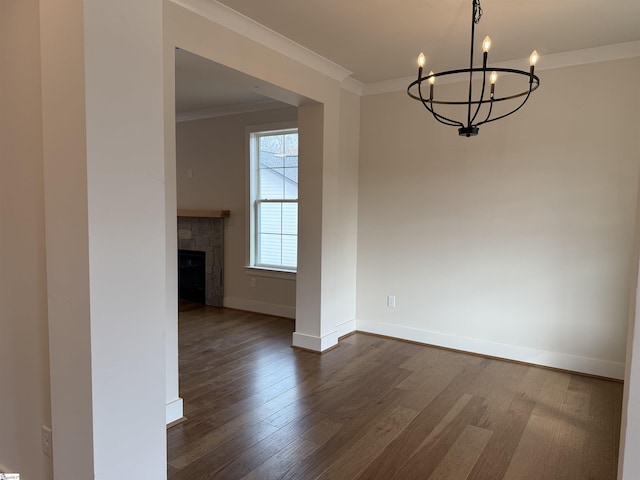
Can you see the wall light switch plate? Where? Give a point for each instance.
(391, 301)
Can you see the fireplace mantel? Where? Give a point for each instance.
(204, 213)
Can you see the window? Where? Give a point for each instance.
(274, 192)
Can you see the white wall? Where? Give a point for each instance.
(516, 243)
(66, 213)
(25, 402)
(214, 150)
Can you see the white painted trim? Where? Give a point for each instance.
(353, 85)
(260, 307)
(230, 110)
(388, 86)
(607, 53)
(345, 328)
(574, 363)
(270, 273)
(247, 27)
(317, 344)
(619, 51)
(174, 410)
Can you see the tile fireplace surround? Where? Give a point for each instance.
(205, 234)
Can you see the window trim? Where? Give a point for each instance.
(251, 202)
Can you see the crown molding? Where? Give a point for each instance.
(230, 110)
(247, 27)
(619, 51)
(353, 85)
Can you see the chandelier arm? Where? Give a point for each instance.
(440, 118)
(488, 114)
(511, 112)
(484, 84)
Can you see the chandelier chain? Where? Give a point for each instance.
(477, 11)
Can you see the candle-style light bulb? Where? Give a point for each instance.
(486, 44)
(432, 80)
(421, 60)
(493, 78)
(533, 59)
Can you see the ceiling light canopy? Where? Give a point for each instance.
(484, 103)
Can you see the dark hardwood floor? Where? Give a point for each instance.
(377, 408)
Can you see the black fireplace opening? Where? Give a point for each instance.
(191, 276)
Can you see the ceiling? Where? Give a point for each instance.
(195, 77)
(380, 40)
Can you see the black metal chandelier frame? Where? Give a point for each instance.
(471, 128)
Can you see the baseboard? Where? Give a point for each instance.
(175, 423)
(316, 344)
(346, 328)
(174, 410)
(563, 361)
(260, 307)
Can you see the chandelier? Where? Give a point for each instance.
(470, 126)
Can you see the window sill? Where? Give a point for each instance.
(270, 272)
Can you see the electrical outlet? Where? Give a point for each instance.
(391, 301)
(252, 282)
(47, 441)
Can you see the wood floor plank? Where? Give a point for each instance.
(427, 384)
(565, 456)
(532, 451)
(354, 427)
(245, 453)
(600, 450)
(377, 408)
(433, 450)
(509, 377)
(463, 454)
(392, 459)
(211, 440)
(495, 459)
(282, 462)
(446, 421)
(363, 451)
(552, 394)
